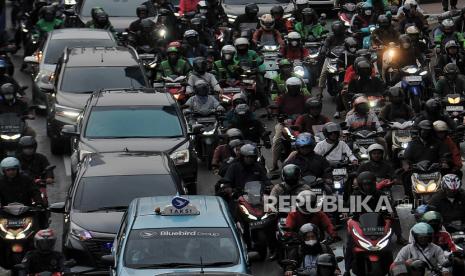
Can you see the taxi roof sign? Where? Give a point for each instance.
(180, 207)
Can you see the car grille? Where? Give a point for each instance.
(97, 248)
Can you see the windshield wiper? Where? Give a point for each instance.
(218, 264)
(171, 265)
(109, 208)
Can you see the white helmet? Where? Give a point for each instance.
(241, 41)
(374, 147)
(451, 182)
(293, 81)
(294, 35)
(440, 126)
(411, 2)
(228, 52)
(301, 2)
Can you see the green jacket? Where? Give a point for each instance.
(252, 57)
(222, 72)
(182, 68)
(108, 27)
(306, 31)
(280, 86)
(438, 39)
(43, 26)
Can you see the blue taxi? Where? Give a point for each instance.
(166, 234)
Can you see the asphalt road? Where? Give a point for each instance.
(57, 192)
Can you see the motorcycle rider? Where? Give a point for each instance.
(5, 78)
(294, 48)
(173, 65)
(309, 28)
(202, 103)
(363, 18)
(227, 68)
(280, 22)
(48, 22)
(141, 13)
(385, 33)
(285, 72)
(451, 83)
(101, 21)
(312, 116)
(267, 34)
(441, 130)
(154, 6)
(460, 21)
(423, 249)
(433, 112)
(335, 39)
(11, 104)
(192, 47)
(15, 186)
(308, 253)
(200, 73)
(32, 162)
(216, 16)
(411, 18)
(305, 157)
(365, 83)
(376, 164)
(396, 109)
(445, 5)
(249, 17)
(361, 116)
(226, 152)
(291, 182)
(186, 6)
(43, 257)
(206, 35)
(449, 200)
(452, 55)
(252, 129)
(332, 148)
(146, 36)
(447, 32)
(440, 236)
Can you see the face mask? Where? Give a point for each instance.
(173, 60)
(228, 57)
(8, 97)
(294, 43)
(311, 242)
(28, 151)
(368, 12)
(352, 49)
(406, 45)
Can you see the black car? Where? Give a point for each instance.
(135, 120)
(79, 73)
(104, 187)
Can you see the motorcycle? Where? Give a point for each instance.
(413, 82)
(372, 236)
(248, 81)
(362, 140)
(175, 85)
(253, 221)
(270, 62)
(12, 128)
(376, 103)
(426, 180)
(402, 134)
(19, 223)
(312, 62)
(334, 79)
(230, 89)
(454, 107)
(148, 59)
(40, 181)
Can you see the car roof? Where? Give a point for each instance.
(100, 56)
(81, 33)
(127, 97)
(126, 163)
(213, 213)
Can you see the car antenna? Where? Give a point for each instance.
(101, 57)
(201, 266)
(126, 149)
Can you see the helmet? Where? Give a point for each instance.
(175, 44)
(451, 182)
(306, 199)
(367, 9)
(293, 85)
(405, 41)
(277, 11)
(360, 100)
(239, 98)
(228, 52)
(241, 41)
(373, 147)
(417, 266)
(326, 260)
(45, 240)
(412, 31)
(94, 12)
(8, 88)
(267, 22)
(421, 210)
(440, 126)
(142, 9)
(284, 62)
(384, 21)
(191, 34)
(27, 142)
(396, 92)
(241, 109)
(294, 39)
(197, 23)
(9, 163)
(451, 71)
(172, 50)
(447, 25)
(200, 65)
(338, 28)
(249, 150)
(351, 44)
(251, 9)
(451, 44)
(235, 143)
(147, 24)
(331, 128)
(234, 133)
(305, 140)
(309, 227)
(313, 103)
(425, 125)
(310, 14)
(102, 18)
(291, 174)
(363, 68)
(367, 182)
(201, 88)
(49, 13)
(422, 229)
(434, 219)
(432, 106)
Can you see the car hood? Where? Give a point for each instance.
(132, 144)
(231, 9)
(74, 100)
(120, 23)
(101, 222)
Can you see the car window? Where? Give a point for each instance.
(56, 46)
(89, 79)
(180, 245)
(98, 193)
(113, 7)
(133, 122)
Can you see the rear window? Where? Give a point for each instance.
(56, 46)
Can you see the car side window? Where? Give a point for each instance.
(121, 234)
(57, 72)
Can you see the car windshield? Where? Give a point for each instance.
(245, 2)
(123, 8)
(107, 192)
(181, 247)
(56, 46)
(89, 79)
(133, 122)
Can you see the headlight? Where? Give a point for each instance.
(299, 71)
(27, 225)
(231, 18)
(431, 187)
(404, 145)
(384, 241)
(420, 188)
(66, 111)
(224, 99)
(162, 33)
(248, 81)
(361, 240)
(180, 157)
(210, 132)
(313, 56)
(391, 53)
(453, 100)
(423, 73)
(337, 184)
(79, 233)
(8, 137)
(70, 2)
(347, 23)
(372, 103)
(364, 155)
(270, 47)
(412, 70)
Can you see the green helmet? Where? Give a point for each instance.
(172, 50)
(433, 218)
(284, 62)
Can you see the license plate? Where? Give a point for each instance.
(413, 78)
(341, 171)
(316, 191)
(454, 108)
(15, 223)
(365, 141)
(256, 224)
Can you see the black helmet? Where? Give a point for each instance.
(27, 142)
(384, 21)
(310, 13)
(49, 13)
(405, 41)
(363, 68)
(249, 150)
(200, 65)
(102, 18)
(338, 28)
(425, 125)
(142, 9)
(234, 133)
(417, 266)
(313, 103)
(201, 88)
(241, 109)
(277, 11)
(351, 45)
(147, 25)
(326, 264)
(366, 181)
(45, 240)
(451, 70)
(94, 12)
(251, 9)
(8, 92)
(331, 128)
(433, 106)
(291, 174)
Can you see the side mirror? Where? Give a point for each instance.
(69, 12)
(69, 130)
(58, 207)
(253, 256)
(108, 259)
(19, 267)
(197, 129)
(31, 59)
(46, 87)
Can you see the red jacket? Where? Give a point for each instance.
(257, 35)
(293, 53)
(187, 6)
(351, 75)
(295, 220)
(444, 240)
(290, 105)
(454, 150)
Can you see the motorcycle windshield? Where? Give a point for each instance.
(372, 224)
(11, 123)
(15, 209)
(253, 192)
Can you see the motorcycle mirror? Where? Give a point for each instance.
(69, 12)
(253, 256)
(69, 130)
(58, 207)
(197, 129)
(31, 59)
(108, 259)
(18, 267)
